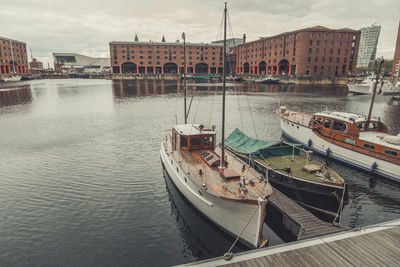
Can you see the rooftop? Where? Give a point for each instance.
(164, 44)
(193, 129)
(344, 116)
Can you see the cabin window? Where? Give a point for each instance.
(327, 124)
(208, 141)
(339, 126)
(369, 146)
(372, 126)
(361, 126)
(195, 142)
(184, 142)
(390, 152)
(350, 141)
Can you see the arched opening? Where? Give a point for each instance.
(246, 67)
(201, 68)
(262, 66)
(283, 67)
(170, 68)
(128, 67)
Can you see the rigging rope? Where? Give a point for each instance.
(251, 115)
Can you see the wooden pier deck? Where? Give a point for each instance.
(377, 245)
(302, 223)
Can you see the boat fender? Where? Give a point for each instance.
(328, 152)
(373, 167)
(309, 143)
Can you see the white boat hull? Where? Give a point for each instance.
(367, 89)
(303, 135)
(12, 79)
(232, 216)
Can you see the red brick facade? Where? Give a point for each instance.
(149, 57)
(396, 57)
(312, 51)
(9, 49)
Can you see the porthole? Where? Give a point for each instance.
(177, 169)
(298, 127)
(185, 180)
(200, 192)
(172, 162)
(292, 125)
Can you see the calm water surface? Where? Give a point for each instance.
(81, 181)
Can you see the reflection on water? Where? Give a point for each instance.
(81, 181)
(22, 95)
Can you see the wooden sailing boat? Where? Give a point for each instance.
(357, 140)
(222, 187)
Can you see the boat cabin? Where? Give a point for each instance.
(347, 124)
(192, 137)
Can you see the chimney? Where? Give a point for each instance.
(136, 38)
(163, 39)
(244, 38)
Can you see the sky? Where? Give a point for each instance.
(87, 26)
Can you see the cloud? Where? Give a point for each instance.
(88, 26)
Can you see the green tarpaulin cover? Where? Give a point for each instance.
(241, 143)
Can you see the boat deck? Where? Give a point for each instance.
(371, 246)
(215, 182)
(297, 117)
(297, 170)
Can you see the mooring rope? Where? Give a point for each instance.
(228, 255)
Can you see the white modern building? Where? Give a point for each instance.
(72, 62)
(368, 44)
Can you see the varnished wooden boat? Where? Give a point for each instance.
(232, 197)
(346, 137)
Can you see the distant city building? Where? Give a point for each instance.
(396, 57)
(13, 56)
(163, 57)
(230, 43)
(72, 62)
(368, 44)
(311, 51)
(35, 64)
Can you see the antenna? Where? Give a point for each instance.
(31, 53)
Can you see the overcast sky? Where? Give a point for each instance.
(87, 26)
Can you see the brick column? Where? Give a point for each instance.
(277, 70)
(290, 70)
(216, 70)
(120, 69)
(145, 70)
(209, 70)
(258, 70)
(154, 70)
(162, 69)
(137, 68)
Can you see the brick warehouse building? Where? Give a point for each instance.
(10, 49)
(311, 51)
(151, 57)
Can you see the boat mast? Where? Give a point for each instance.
(222, 161)
(380, 62)
(184, 74)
